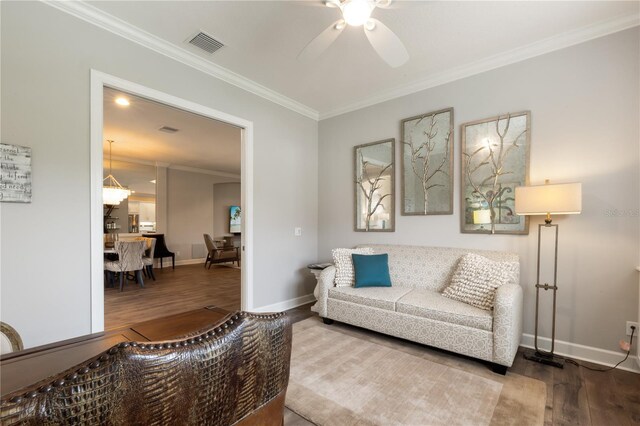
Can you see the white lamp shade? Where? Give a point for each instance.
(565, 198)
(481, 217)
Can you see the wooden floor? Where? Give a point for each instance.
(575, 395)
(182, 289)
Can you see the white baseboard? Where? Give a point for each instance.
(198, 261)
(584, 353)
(287, 304)
(189, 261)
(167, 261)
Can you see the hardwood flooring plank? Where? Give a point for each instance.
(570, 402)
(605, 406)
(177, 290)
(628, 387)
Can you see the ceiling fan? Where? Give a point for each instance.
(358, 13)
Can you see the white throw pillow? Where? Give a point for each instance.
(476, 279)
(345, 276)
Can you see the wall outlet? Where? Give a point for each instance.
(297, 232)
(177, 253)
(628, 329)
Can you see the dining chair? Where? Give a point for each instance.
(148, 258)
(216, 254)
(130, 255)
(161, 249)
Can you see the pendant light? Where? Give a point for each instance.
(112, 192)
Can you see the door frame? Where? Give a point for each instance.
(98, 81)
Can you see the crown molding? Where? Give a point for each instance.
(205, 171)
(176, 167)
(106, 21)
(551, 44)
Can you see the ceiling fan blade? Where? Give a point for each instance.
(322, 41)
(383, 4)
(386, 43)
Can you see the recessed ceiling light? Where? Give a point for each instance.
(122, 101)
(133, 192)
(153, 181)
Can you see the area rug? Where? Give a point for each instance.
(342, 375)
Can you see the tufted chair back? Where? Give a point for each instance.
(233, 373)
(130, 255)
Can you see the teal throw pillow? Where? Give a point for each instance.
(371, 270)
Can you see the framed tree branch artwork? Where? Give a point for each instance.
(495, 159)
(427, 163)
(375, 186)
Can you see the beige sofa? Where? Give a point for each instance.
(414, 309)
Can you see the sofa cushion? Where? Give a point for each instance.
(430, 304)
(376, 297)
(344, 265)
(476, 279)
(371, 270)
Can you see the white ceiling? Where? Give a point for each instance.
(200, 143)
(263, 39)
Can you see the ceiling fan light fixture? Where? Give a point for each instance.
(370, 25)
(357, 12)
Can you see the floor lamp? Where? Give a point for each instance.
(546, 200)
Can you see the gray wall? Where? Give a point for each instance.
(46, 60)
(585, 127)
(190, 210)
(225, 195)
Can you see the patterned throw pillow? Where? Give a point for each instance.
(476, 279)
(345, 277)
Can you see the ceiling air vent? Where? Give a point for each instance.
(206, 42)
(168, 129)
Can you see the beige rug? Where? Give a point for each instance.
(342, 375)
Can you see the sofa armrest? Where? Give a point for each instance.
(325, 282)
(507, 323)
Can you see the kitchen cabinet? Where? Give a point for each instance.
(147, 212)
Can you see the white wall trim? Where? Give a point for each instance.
(583, 353)
(204, 171)
(176, 167)
(287, 304)
(98, 81)
(187, 262)
(551, 44)
(106, 21)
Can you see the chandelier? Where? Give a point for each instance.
(112, 192)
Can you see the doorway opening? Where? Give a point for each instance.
(188, 172)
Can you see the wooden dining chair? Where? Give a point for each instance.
(130, 255)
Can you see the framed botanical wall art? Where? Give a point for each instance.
(427, 163)
(15, 173)
(375, 186)
(495, 160)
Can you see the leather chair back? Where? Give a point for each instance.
(233, 373)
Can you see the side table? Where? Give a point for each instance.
(316, 269)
